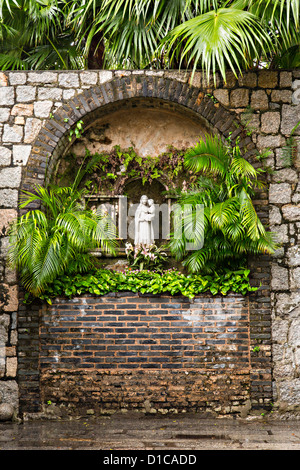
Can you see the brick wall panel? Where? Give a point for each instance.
(86, 344)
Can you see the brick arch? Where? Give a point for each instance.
(52, 139)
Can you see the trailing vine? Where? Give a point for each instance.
(103, 281)
(115, 168)
(78, 129)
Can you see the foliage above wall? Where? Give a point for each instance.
(135, 34)
(173, 282)
(43, 242)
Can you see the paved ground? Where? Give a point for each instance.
(132, 432)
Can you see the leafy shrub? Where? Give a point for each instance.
(103, 281)
(113, 169)
(44, 243)
(230, 228)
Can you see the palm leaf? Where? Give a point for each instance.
(207, 155)
(235, 230)
(213, 256)
(241, 167)
(276, 10)
(265, 244)
(217, 39)
(231, 228)
(130, 38)
(224, 213)
(250, 219)
(190, 222)
(9, 62)
(169, 13)
(197, 260)
(281, 19)
(44, 243)
(51, 260)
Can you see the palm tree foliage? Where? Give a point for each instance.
(57, 238)
(34, 35)
(207, 34)
(229, 228)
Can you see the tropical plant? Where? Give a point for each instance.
(281, 19)
(118, 166)
(34, 35)
(171, 281)
(229, 228)
(205, 34)
(146, 257)
(208, 34)
(47, 242)
(290, 148)
(237, 35)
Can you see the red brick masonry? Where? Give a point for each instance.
(124, 349)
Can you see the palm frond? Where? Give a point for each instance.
(230, 228)
(218, 39)
(235, 230)
(44, 242)
(9, 62)
(224, 213)
(249, 217)
(207, 155)
(279, 11)
(51, 260)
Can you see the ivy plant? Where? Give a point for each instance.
(171, 281)
(117, 167)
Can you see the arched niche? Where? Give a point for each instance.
(185, 106)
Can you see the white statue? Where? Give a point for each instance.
(145, 213)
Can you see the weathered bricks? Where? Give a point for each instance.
(149, 322)
(123, 333)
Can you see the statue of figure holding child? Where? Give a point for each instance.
(145, 213)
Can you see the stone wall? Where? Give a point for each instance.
(37, 110)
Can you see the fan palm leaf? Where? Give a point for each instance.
(213, 256)
(220, 38)
(223, 213)
(281, 11)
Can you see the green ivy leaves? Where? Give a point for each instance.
(170, 282)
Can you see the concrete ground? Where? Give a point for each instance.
(134, 432)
